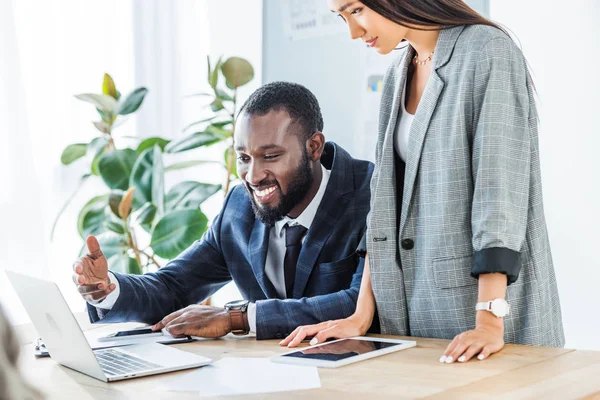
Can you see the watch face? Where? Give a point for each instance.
(236, 304)
(499, 307)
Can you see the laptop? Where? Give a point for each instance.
(68, 346)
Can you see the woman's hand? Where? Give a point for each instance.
(340, 328)
(487, 338)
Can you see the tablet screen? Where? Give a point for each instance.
(341, 349)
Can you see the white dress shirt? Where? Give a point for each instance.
(275, 252)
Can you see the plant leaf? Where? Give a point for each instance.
(125, 204)
(188, 164)
(91, 217)
(73, 152)
(224, 96)
(218, 131)
(216, 105)
(189, 194)
(214, 76)
(115, 168)
(192, 141)
(124, 264)
(112, 243)
(114, 199)
(201, 94)
(208, 69)
(229, 152)
(108, 86)
(102, 126)
(115, 227)
(199, 122)
(176, 231)
(237, 72)
(221, 124)
(102, 101)
(145, 216)
(148, 177)
(132, 102)
(150, 142)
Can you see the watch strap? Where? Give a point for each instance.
(239, 325)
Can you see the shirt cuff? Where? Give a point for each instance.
(111, 299)
(362, 246)
(497, 260)
(251, 317)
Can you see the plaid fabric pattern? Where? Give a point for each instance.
(472, 182)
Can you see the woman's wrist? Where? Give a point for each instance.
(363, 319)
(485, 319)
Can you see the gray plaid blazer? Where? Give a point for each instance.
(471, 198)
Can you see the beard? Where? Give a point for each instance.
(298, 188)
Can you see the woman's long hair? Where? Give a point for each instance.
(429, 14)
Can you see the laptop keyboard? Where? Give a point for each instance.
(115, 362)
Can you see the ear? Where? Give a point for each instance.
(316, 145)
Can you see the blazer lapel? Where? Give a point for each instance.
(433, 89)
(333, 205)
(257, 248)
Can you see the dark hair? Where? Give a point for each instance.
(429, 14)
(295, 99)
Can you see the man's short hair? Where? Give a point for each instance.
(295, 99)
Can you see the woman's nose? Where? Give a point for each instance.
(356, 31)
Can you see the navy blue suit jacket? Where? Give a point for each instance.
(328, 272)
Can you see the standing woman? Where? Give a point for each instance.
(456, 232)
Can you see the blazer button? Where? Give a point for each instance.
(278, 335)
(407, 244)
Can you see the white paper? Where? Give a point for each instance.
(235, 376)
(309, 18)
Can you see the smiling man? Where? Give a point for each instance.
(287, 236)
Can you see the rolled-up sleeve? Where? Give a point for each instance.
(501, 159)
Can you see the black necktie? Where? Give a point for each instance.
(293, 245)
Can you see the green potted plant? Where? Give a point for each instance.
(136, 202)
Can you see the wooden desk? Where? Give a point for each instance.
(516, 372)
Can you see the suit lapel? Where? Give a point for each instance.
(427, 104)
(333, 205)
(257, 248)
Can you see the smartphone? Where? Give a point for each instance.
(130, 334)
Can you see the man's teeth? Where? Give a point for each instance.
(263, 193)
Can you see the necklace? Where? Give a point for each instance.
(423, 62)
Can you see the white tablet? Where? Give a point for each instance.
(343, 351)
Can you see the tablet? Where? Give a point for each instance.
(343, 351)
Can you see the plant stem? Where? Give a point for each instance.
(64, 207)
(132, 242)
(151, 257)
(231, 147)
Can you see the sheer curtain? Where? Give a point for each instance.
(23, 245)
(49, 52)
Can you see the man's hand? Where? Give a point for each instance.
(91, 273)
(196, 320)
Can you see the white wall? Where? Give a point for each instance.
(561, 41)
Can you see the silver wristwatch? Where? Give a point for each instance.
(498, 307)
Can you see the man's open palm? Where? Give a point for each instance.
(91, 273)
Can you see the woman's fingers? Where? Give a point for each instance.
(290, 337)
(304, 331)
(470, 352)
(449, 349)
